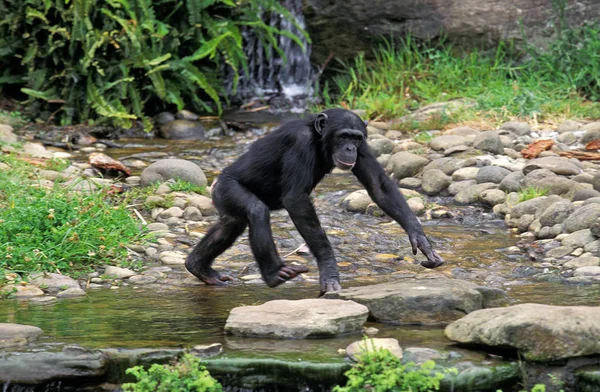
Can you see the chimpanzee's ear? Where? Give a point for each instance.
(366, 123)
(321, 123)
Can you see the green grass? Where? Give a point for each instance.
(531, 193)
(184, 186)
(57, 230)
(562, 81)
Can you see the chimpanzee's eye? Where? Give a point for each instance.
(344, 136)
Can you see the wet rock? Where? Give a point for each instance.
(579, 238)
(192, 213)
(207, 351)
(380, 146)
(164, 118)
(465, 173)
(416, 205)
(471, 194)
(583, 261)
(172, 258)
(489, 141)
(297, 319)
(513, 182)
(592, 132)
(444, 142)
(587, 271)
(527, 207)
(6, 134)
(494, 174)
(143, 279)
(492, 197)
(73, 363)
(356, 349)
(19, 291)
(113, 272)
(456, 187)
(357, 201)
(560, 251)
(568, 126)
(447, 165)
(557, 165)
(204, 204)
(537, 332)
(157, 226)
(182, 130)
(583, 217)
(410, 183)
(51, 282)
(434, 181)
(187, 115)
(556, 213)
(17, 335)
(518, 128)
(173, 212)
(166, 169)
(36, 150)
(421, 301)
(71, 293)
(405, 164)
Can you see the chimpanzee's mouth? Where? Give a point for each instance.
(344, 165)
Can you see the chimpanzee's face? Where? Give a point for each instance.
(345, 146)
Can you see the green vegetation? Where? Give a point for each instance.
(117, 60)
(184, 186)
(57, 229)
(379, 370)
(561, 80)
(188, 374)
(531, 193)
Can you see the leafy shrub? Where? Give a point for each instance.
(57, 229)
(185, 375)
(379, 370)
(89, 59)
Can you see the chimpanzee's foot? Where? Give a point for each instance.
(285, 273)
(328, 285)
(208, 276)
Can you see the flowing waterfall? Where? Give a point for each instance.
(283, 84)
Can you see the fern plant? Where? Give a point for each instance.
(117, 60)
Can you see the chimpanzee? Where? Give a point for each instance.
(280, 171)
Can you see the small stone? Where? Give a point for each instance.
(157, 227)
(71, 293)
(142, 279)
(355, 349)
(117, 272)
(207, 351)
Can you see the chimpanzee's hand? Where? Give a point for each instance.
(419, 241)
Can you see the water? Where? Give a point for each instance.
(284, 82)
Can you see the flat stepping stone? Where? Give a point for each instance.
(306, 318)
(538, 332)
(422, 301)
(17, 334)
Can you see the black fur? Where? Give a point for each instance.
(280, 171)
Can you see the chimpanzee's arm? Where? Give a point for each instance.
(387, 196)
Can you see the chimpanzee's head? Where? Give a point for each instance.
(342, 133)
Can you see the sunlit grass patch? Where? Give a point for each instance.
(59, 230)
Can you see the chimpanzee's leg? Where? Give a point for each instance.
(218, 238)
(238, 200)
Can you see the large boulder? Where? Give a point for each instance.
(73, 363)
(538, 332)
(345, 27)
(166, 169)
(583, 217)
(304, 318)
(422, 301)
(53, 283)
